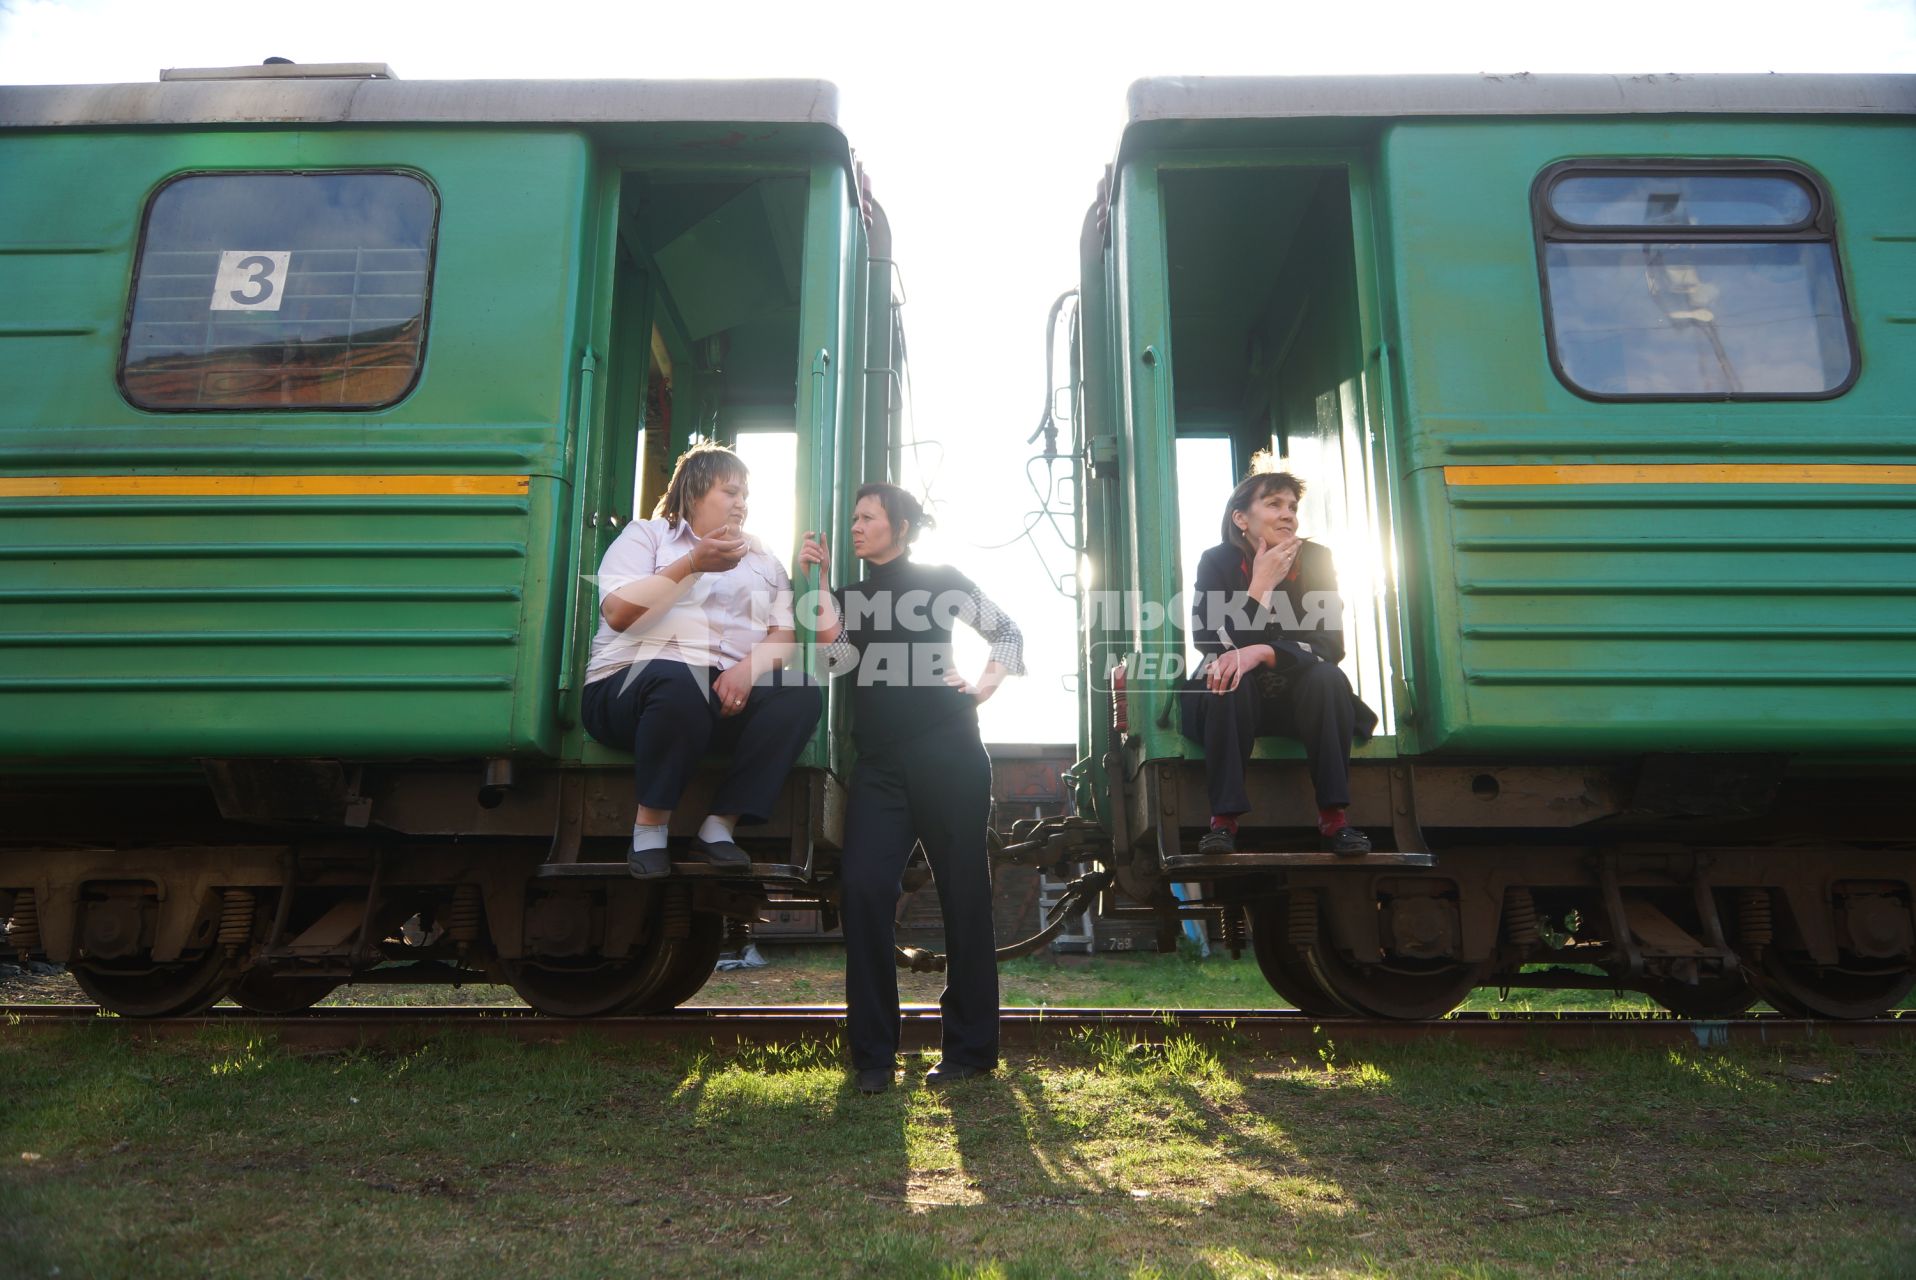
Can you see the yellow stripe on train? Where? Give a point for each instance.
(1683, 473)
(256, 486)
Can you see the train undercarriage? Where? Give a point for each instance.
(278, 882)
(164, 932)
(1709, 884)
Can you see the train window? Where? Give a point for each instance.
(1692, 281)
(280, 291)
(1682, 199)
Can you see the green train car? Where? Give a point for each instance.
(1602, 390)
(324, 392)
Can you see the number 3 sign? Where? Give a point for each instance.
(251, 280)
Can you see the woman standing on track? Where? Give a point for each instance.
(922, 776)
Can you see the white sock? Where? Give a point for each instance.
(647, 837)
(717, 830)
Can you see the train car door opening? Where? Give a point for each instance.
(703, 341)
(1267, 326)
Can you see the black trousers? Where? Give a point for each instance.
(935, 789)
(667, 715)
(1315, 706)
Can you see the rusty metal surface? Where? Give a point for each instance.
(1278, 1030)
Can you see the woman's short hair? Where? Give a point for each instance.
(697, 470)
(900, 508)
(1247, 495)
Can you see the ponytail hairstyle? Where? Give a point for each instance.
(1247, 494)
(697, 470)
(901, 509)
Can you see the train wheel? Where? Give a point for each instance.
(1797, 987)
(1401, 986)
(1723, 997)
(589, 988)
(273, 994)
(1409, 989)
(688, 968)
(1283, 965)
(173, 990)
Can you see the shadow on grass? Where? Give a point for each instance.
(229, 1156)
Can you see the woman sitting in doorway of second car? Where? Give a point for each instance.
(1267, 618)
(696, 649)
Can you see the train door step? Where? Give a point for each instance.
(680, 870)
(1245, 860)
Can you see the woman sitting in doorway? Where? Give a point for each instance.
(1267, 618)
(696, 650)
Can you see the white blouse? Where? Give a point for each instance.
(716, 619)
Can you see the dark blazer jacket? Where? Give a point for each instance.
(1223, 617)
(1312, 628)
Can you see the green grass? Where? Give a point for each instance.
(816, 975)
(803, 975)
(228, 1156)
(1136, 981)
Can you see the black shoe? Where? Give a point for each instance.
(873, 1080)
(649, 864)
(1348, 842)
(947, 1072)
(1217, 842)
(722, 855)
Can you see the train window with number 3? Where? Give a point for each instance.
(280, 291)
(1692, 280)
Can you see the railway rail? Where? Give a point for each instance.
(1022, 1028)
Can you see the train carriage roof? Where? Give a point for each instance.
(1195, 98)
(259, 96)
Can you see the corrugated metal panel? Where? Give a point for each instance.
(1685, 617)
(210, 625)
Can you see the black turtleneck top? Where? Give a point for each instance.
(896, 650)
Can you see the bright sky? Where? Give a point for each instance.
(984, 128)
